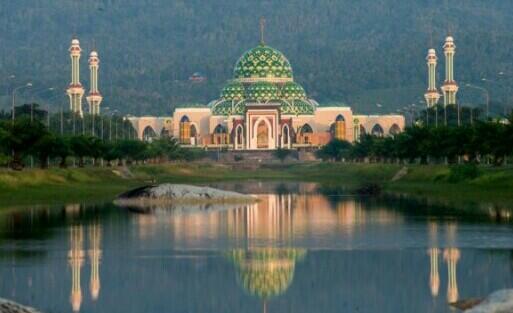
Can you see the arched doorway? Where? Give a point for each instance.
(305, 134)
(194, 135)
(263, 134)
(285, 136)
(394, 130)
(185, 130)
(239, 137)
(338, 129)
(149, 134)
(220, 136)
(377, 131)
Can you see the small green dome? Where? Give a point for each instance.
(297, 107)
(292, 91)
(263, 63)
(233, 91)
(262, 91)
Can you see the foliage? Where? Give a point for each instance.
(335, 150)
(463, 172)
(281, 154)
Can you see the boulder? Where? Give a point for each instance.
(498, 302)
(7, 306)
(180, 198)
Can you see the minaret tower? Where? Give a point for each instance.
(450, 87)
(432, 96)
(76, 260)
(95, 256)
(94, 99)
(75, 90)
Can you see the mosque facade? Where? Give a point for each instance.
(263, 108)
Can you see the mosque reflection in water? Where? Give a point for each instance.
(265, 242)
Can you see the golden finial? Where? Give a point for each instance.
(262, 30)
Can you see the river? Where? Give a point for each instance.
(297, 250)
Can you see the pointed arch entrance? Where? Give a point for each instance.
(263, 135)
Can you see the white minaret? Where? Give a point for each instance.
(75, 90)
(450, 87)
(432, 96)
(95, 98)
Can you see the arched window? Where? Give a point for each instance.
(220, 136)
(285, 133)
(239, 137)
(185, 130)
(149, 134)
(338, 130)
(394, 130)
(377, 130)
(193, 135)
(305, 134)
(362, 132)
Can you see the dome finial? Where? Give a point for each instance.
(262, 30)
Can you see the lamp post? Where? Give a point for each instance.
(487, 94)
(27, 85)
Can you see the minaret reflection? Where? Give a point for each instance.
(452, 256)
(76, 260)
(434, 255)
(95, 255)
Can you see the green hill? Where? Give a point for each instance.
(358, 52)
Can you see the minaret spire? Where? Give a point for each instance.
(75, 90)
(262, 30)
(432, 96)
(450, 87)
(95, 98)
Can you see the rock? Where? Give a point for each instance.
(498, 302)
(7, 306)
(180, 198)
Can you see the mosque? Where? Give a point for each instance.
(264, 108)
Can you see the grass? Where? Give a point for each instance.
(103, 184)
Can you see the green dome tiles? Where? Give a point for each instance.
(292, 91)
(263, 91)
(263, 63)
(297, 107)
(233, 91)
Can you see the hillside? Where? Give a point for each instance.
(358, 52)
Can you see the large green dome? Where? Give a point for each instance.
(263, 63)
(262, 91)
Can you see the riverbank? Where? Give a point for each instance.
(103, 184)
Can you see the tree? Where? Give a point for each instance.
(19, 136)
(335, 150)
(281, 154)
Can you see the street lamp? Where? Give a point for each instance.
(27, 85)
(487, 93)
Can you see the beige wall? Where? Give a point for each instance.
(156, 123)
(385, 121)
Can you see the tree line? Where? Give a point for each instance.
(25, 139)
(482, 142)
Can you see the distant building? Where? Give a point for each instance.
(197, 78)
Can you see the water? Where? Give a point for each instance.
(294, 251)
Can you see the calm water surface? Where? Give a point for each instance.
(297, 250)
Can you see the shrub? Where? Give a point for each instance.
(459, 173)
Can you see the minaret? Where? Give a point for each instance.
(432, 96)
(95, 98)
(452, 256)
(450, 87)
(95, 255)
(75, 90)
(76, 260)
(434, 254)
